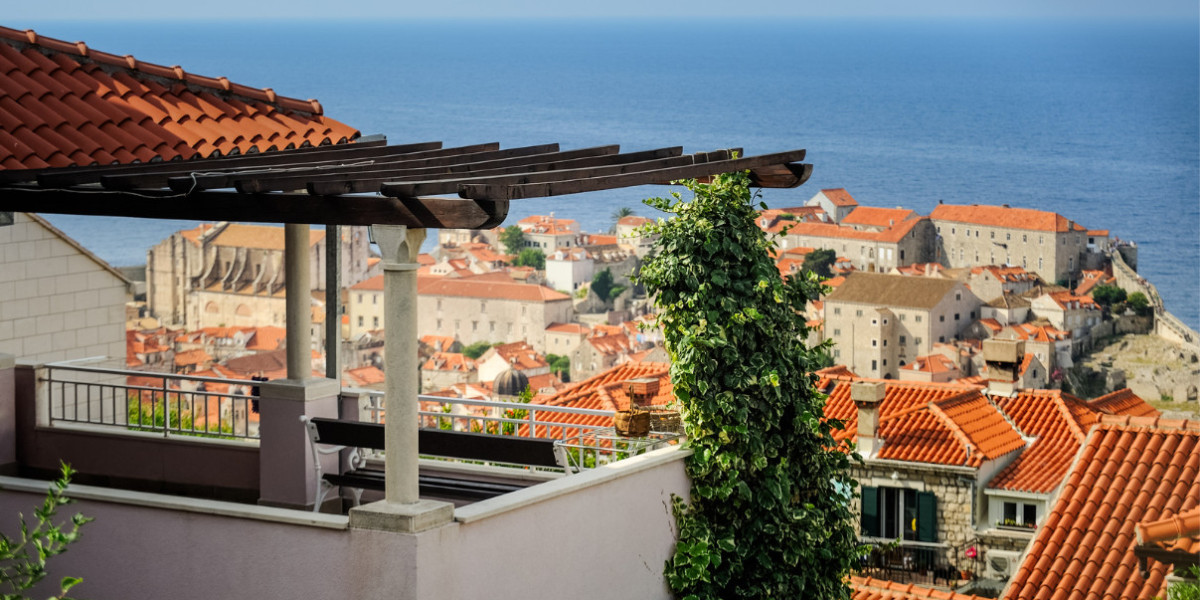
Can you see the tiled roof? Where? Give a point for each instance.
(1059, 421)
(62, 104)
(364, 376)
(520, 355)
(993, 325)
(371, 284)
(1177, 533)
(575, 328)
(603, 391)
(267, 337)
(1098, 232)
(868, 588)
(1008, 274)
(264, 237)
(191, 357)
(877, 217)
(931, 423)
(831, 230)
(611, 344)
(194, 235)
(1038, 333)
(1088, 280)
(1008, 301)
(933, 363)
(1000, 216)
(440, 343)
(1129, 470)
(1067, 300)
(921, 269)
(449, 361)
(840, 197)
(892, 290)
(600, 239)
(1123, 402)
(633, 220)
(478, 287)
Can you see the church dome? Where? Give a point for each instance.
(510, 382)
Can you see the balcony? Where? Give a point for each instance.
(185, 482)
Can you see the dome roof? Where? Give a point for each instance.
(510, 382)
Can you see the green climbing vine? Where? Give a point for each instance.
(769, 514)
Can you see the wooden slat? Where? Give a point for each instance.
(775, 176)
(71, 176)
(129, 181)
(271, 182)
(370, 182)
(452, 185)
(451, 213)
(577, 186)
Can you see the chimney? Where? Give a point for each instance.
(641, 390)
(867, 395)
(1003, 359)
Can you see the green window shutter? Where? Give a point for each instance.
(870, 511)
(926, 517)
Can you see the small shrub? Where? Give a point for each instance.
(23, 560)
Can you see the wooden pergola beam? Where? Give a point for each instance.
(655, 176)
(450, 213)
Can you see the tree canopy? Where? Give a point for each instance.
(769, 514)
(1107, 295)
(820, 261)
(531, 257)
(513, 239)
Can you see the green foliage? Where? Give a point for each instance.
(23, 560)
(560, 365)
(1189, 588)
(525, 397)
(1140, 304)
(513, 239)
(1107, 295)
(531, 257)
(770, 499)
(152, 415)
(474, 351)
(619, 214)
(820, 261)
(602, 284)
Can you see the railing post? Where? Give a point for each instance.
(166, 410)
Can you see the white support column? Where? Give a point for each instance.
(299, 303)
(400, 246)
(402, 509)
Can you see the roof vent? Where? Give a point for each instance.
(642, 390)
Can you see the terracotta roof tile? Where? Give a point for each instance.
(877, 217)
(363, 376)
(265, 237)
(1129, 470)
(481, 287)
(1177, 533)
(575, 328)
(603, 391)
(373, 284)
(1000, 216)
(840, 197)
(868, 588)
(933, 363)
(1059, 421)
(1124, 402)
(520, 355)
(126, 113)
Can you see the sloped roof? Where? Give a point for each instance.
(840, 197)
(520, 355)
(1179, 534)
(191, 357)
(1123, 402)
(1001, 216)
(929, 422)
(892, 290)
(371, 284)
(62, 104)
(449, 361)
(878, 217)
(1129, 470)
(573, 328)
(933, 363)
(603, 391)
(1059, 421)
(868, 588)
(364, 376)
(486, 288)
(263, 237)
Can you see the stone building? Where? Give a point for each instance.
(365, 307)
(837, 203)
(1043, 242)
(868, 249)
(230, 274)
(548, 234)
(489, 308)
(57, 300)
(879, 323)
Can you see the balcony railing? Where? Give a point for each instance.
(161, 403)
(922, 563)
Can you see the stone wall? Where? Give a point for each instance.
(956, 502)
(57, 300)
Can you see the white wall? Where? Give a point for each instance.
(57, 301)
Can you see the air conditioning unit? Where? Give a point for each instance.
(1001, 564)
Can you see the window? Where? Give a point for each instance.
(972, 315)
(941, 318)
(901, 255)
(1039, 263)
(1019, 514)
(952, 232)
(376, 320)
(941, 339)
(837, 353)
(360, 321)
(439, 304)
(837, 332)
(885, 362)
(1041, 239)
(837, 310)
(976, 233)
(1024, 238)
(874, 365)
(903, 316)
(439, 323)
(957, 296)
(858, 313)
(902, 340)
(993, 235)
(917, 318)
(955, 316)
(360, 298)
(482, 306)
(917, 341)
(474, 325)
(897, 513)
(885, 346)
(492, 328)
(375, 299)
(874, 321)
(874, 343)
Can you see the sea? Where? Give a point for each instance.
(1098, 120)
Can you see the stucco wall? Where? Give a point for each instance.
(56, 301)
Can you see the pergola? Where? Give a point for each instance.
(399, 190)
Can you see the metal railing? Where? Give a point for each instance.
(161, 403)
(911, 562)
(495, 417)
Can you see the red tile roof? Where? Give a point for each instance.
(1059, 421)
(929, 422)
(363, 376)
(1129, 470)
(62, 104)
(1008, 274)
(1088, 280)
(265, 237)
(600, 392)
(1124, 402)
(1000, 216)
(481, 287)
(575, 328)
(1178, 533)
(830, 230)
(633, 220)
(840, 197)
(933, 363)
(867, 588)
(267, 337)
(520, 355)
(440, 343)
(611, 344)
(877, 217)
(1067, 300)
(191, 357)
(449, 361)
(1038, 333)
(372, 284)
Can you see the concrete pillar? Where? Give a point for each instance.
(298, 285)
(8, 410)
(287, 475)
(402, 509)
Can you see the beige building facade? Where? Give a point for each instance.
(1042, 242)
(879, 323)
(868, 249)
(489, 308)
(365, 307)
(58, 301)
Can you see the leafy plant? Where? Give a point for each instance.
(1138, 302)
(474, 351)
(820, 261)
(23, 560)
(1108, 295)
(513, 239)
(769, 514)
(531, 257)
(1189, 588)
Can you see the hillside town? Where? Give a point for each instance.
(998, 459)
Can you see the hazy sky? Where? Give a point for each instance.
(16, 11)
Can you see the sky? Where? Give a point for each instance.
(525, 9)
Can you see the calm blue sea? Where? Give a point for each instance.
(1097, 120)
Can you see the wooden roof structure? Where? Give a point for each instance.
(370, 182)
